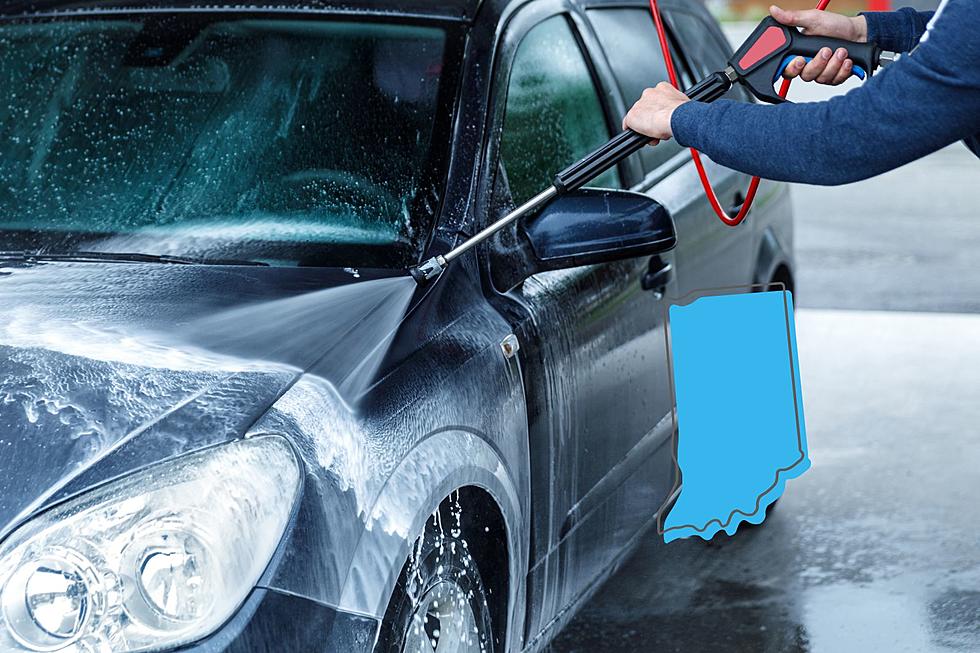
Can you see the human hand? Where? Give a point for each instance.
(827, 67)
(651, 114)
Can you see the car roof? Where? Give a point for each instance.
(460, 10)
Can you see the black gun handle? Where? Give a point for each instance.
(772, 46)
(599, 160)
(710, 88)
(864, 55)
(626, 143)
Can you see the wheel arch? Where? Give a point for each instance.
(783, 275)
(485, 531)
(445, 462)
(774, 262)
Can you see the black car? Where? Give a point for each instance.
(230, 420)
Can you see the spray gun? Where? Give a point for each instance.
(756, 65)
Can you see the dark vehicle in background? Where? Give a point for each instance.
(229, 421)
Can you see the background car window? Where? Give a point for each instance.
(629, 40)
(553, 114)
(704, 52)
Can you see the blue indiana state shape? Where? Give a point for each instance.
(741, 432)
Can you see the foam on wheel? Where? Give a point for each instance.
(439, 604)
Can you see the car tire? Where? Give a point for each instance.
(439, 604)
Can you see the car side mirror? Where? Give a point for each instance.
(591, 226)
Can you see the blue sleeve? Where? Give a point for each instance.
(897, 31)
(923, 102)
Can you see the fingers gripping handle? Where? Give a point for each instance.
(864, 55)
(772, 46)
(857, 70)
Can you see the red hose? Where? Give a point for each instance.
(709, 192)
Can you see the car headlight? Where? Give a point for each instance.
(157, 559)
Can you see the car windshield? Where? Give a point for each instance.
(292, 142)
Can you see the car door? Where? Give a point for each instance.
(709, 253)
(593, 349)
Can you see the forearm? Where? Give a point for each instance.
(788, 142)
(896, 31)
(892, 120)
(927, 100)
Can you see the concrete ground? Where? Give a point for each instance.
(877, 547)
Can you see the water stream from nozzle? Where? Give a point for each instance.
(344, 332)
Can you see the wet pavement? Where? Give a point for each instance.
(877, 547)
(908, 240)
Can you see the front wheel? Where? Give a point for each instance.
(439, 604)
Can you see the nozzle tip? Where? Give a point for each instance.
(418, 275)
(428, 270)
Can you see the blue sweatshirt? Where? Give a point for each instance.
(925, 101)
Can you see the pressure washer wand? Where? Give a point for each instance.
(573, 177)
(757, 64)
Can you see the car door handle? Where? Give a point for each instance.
(659, 275)
(737, 201)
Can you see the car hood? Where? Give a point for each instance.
(108, 367)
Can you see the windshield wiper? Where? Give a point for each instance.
(120, 257)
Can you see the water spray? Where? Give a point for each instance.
(757, 64)
(361, 319)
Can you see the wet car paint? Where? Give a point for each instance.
(258, 625)
(73, 393)
(449, 412)
(447, 408)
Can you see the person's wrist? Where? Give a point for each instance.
(670, 116)
(675, 119)
(859, 29)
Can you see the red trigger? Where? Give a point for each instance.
(771, 40)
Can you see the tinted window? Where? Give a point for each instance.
(285, 141)
(553, 115)
(703, 50)
(629, 40)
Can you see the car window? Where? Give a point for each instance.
(553, 114)
(704, 52)
(291, 142)
(629, 40)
